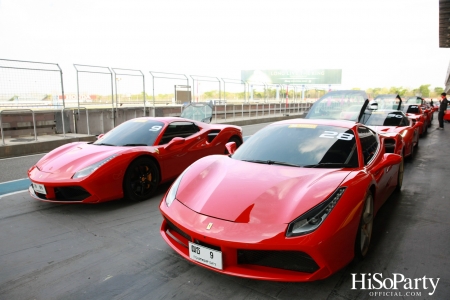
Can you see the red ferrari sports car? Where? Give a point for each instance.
(389, 118)
(425, 108)
(129, 161)
(396, 121)
(295, 202)
(417, 114)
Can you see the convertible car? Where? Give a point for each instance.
(389, 118)
(426, 109)
(129, 161)
(415, 112)
(296, 202)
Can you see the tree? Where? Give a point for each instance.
(425, 90)
(438, 90)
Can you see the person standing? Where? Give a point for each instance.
(442, 110)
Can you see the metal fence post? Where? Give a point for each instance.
(1, 129)
(34, 126)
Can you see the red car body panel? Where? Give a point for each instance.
(410, 135)
(419, 117)
(447, 115)
(239, 206)
(57, 168)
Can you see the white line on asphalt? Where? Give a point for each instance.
(13, 180)
(23, 156)
(18, 192)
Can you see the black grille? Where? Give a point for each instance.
(71, 193)
(177, 230)
(42, 196)
(286, 260)
(208, 245)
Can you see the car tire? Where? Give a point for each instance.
(141, 179)
(236, 140)
(401, 170)
(364, 234)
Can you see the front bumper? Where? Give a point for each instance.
(258, 251)
(92, 189)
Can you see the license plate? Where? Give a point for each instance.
(39, 188)
(204, 255)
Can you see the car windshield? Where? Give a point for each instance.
(414, 100)
(301, 145)
(387, 101)
(136, 132)
(384, 118)
(198, 112)
(411, 109)
(338, 105)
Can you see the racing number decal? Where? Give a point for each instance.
(395, 116)
(211, 254)
(155, 128)
(337, 135)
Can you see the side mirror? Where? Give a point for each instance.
(373, 105)
(389, 159)
(100, 136)
(231, 147)
(175, 141)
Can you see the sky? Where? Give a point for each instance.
(379, 43)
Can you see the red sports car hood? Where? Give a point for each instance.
(245, 192)
(70, 158)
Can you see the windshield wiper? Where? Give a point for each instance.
(104, 144)
(271, 162)
(134, 145)
(329, 165)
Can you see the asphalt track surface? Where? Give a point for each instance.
(114, 250)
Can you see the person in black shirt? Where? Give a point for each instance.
(442, 109)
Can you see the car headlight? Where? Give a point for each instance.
(89, 170)
(312, 219)
(172, 193)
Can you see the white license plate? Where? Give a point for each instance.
(39, 188)
(209, 257)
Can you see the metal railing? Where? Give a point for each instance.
(222, 113)
(16, 110)
(258, 110)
